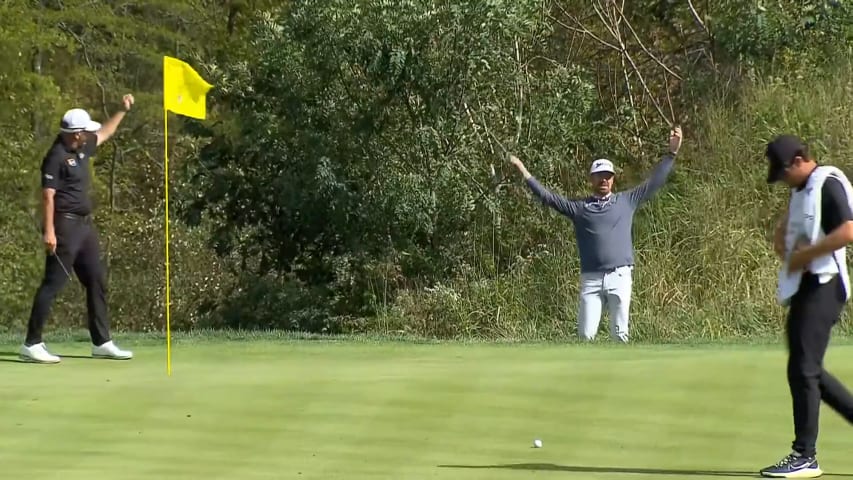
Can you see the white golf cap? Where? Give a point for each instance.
(602, 165)
(78, 120)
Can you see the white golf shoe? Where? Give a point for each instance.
(37, 354)
(110, 350)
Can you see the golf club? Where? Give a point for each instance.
(36, 226)
(62, 265)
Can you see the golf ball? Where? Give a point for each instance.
(537, 443)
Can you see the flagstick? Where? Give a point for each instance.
(180, 82)
(168, 300)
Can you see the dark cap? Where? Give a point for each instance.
(781, 152)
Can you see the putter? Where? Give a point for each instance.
(62, 265)
(38, 231)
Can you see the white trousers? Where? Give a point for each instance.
(611, 288)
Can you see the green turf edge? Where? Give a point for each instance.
(218, 336)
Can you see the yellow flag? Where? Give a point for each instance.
(184, 91)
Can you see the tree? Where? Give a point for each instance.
(360, 150)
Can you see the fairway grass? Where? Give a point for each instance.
(358, 410)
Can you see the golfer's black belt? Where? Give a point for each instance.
(77, 218)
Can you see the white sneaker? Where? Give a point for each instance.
(110, 350)
(37, 354)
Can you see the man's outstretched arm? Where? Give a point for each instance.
(660, 174)
(558, 202)
(108, 129)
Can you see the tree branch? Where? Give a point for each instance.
(650, 54)
(614, 30)
(697, 18)
(520, 115)
(582, 28)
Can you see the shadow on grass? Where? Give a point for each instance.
(550, 467)
(13, 357)
(10, 357)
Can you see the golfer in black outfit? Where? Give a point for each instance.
(814, 283)
(70, 237)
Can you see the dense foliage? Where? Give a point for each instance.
(343, 179)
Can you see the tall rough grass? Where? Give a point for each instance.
(705, 268)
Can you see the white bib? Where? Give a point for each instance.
(804, 222)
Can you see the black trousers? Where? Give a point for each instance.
(77, 250)
(814, 310)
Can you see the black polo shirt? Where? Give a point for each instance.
(67, 172)
(835, 209)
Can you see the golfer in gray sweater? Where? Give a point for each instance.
(603, 222)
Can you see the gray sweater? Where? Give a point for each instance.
(603, 227)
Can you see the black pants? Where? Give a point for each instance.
(77, 250)
(813, 312)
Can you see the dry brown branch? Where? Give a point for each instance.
(585, 32)
(520, 115)
(581, 28)
(697, 18)
(475, 127)
(669, 100)
(617, 36)
(613, 28)
(630, 95)
(643, 46)
(646, 87)
(614, 82)
(599, 11)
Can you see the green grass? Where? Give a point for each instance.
(369, 409)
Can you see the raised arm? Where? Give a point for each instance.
(108, 129)
(656, 180)
(660, 174)
(558, 202)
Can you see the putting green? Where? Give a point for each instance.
(318, 410)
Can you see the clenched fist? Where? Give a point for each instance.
(127, 100)
(675, 139)
(520, 166)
